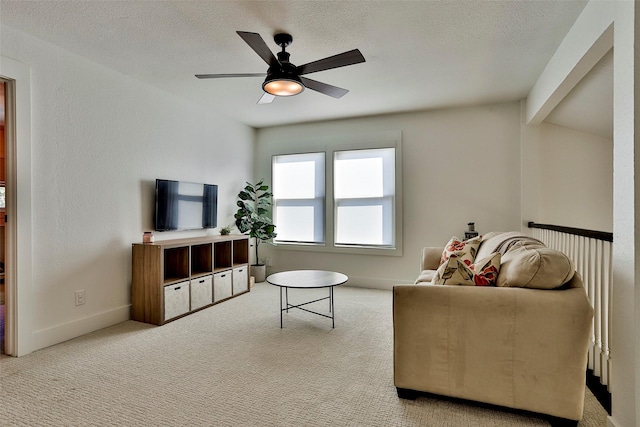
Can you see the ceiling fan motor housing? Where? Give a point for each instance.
(284, 76)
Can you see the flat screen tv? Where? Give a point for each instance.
(185, 205)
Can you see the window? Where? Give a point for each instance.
(364, 190)
(299, 198)
(350, 204)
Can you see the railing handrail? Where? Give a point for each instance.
(593, 234)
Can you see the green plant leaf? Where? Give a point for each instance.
(245, 196)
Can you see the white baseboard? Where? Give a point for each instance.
(611, 422)
(60, 333)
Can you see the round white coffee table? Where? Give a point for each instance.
(307, 279)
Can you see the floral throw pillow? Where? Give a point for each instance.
(485, 271)
(457, 271)
(463, 249)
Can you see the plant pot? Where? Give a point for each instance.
(259, 271)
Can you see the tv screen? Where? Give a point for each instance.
(185, 205)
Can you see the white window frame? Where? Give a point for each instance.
(383, 139)
(317, 202)
(386, 200)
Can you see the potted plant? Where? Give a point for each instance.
(254, 203)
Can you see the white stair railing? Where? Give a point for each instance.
(591, 252)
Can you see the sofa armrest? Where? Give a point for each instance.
(431, 258)
(521, 348)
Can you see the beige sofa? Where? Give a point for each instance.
(512, 345)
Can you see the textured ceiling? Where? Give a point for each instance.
(419, 54)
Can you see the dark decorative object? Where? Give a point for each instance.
(471, 233)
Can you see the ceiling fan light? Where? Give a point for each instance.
(282, 87)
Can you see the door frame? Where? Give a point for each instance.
(18, 260)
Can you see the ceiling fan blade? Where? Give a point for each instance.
(221, 76)
(334, 91)
(266, 98)
(340, 60)
(256, 42)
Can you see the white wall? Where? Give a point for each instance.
(625, 337)
(99, 139)
(576, 179)
(459, 165)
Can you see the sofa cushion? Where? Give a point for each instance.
(465, 250)
(489, 243)
(504, 241)
(535, 267)
(425, 276)
(458, 271)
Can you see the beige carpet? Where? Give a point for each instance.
(232, 365)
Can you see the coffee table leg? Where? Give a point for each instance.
(332, 309)
(286, 292)
(280, 307)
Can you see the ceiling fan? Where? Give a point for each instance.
(285, 79)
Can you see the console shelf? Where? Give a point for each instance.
(173, 278)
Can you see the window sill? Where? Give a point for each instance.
(357, 250)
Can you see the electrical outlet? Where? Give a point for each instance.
(268, 262)
(80, 297)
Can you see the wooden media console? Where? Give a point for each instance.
(174, 278)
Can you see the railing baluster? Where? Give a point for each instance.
(592, 255)
(593, 284)
(606, 312)
(597, 294)
(586, 244)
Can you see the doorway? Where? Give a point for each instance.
(3, 177)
